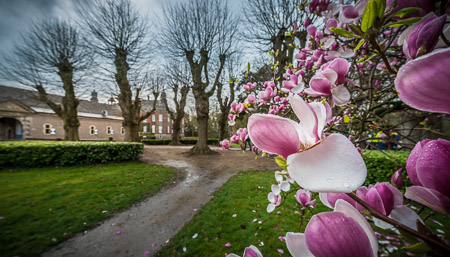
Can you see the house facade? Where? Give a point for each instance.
(24, 117)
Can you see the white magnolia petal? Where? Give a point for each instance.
(346, 208)
(332, 166)
(305, 115)
(299, 88)
(285, 186)
(232, 255)
(271, 197)
(321, 114)
(276, 189)
(381, 224)
(254, 249)
(278, 177)
(329, 42)
(406, 216)
(348, 53)
(270, 207)
(324, 199)
(340, 95)
(296, 245)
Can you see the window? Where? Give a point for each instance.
(168, 118)
(92, 130)
(47, 129)
(153, 129)
(168, 129)
(144, 129)
(109, 130)
(122, 130)
(153, 117)
(160, 117)
(160, 129)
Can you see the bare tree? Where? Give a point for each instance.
(118, 33)
(51, 55)
(269, 23)
(199, 30)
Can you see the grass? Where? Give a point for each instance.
(43, 206)
(246, 196)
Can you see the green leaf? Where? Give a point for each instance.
(248, 67)
(407, 22)
(346, 119)
(270, 52)
(369, 16)
(420, 247)
(406, 11)
(343, 32)
(381, 7)
(361, 42)
(281, 162)
(355, 29)
(278, 51)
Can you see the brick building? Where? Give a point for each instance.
(24, 117)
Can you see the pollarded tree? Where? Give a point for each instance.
(118, 33)
(269, 23)
(199, 30)
(51, 56)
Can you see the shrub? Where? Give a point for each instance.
(186, 141)
(380, 167)
(53, 153)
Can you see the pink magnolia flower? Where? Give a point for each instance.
(234, 139)
(426, 6)
(274, 199)
(328, 81)
(420, 82)
(348, 14)
(267, 94)
(423, 36)
(251, 99)
(303, 197)
(249, 86)
(397, 179)
(225, 144)
(331, 23)
(428, 168)
(383, 197)
(231, 119)
(250, 251)
(341, 233)
(315, 162)
(294, 84)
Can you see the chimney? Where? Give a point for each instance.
(94, 96)
(163, 96)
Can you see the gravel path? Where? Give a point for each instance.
(161, 216)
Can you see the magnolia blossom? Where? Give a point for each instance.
(275, 201)
(428, 168)
(225, 144)
(267, 94)
(329, 81)
(231, 119)
(341, 233)
(421, 38)
(422, 83)
(249, 86)
(397, 179)
(303, 197)
(294, 84)
(315, 162)
(250, 251)
(348, 14)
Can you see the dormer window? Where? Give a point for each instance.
(104, 113)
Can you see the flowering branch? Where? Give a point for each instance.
(398, 225)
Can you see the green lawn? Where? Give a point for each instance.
(246, 196)
(43, 206)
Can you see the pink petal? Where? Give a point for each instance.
(333, 165)
(341, 96)
(341, 67)
(420, 82)
(430, 198)
(411, 163)
(320, 84)
(273, 134)
(252, 251)
(227, 244)
(296, 245)
(146, 253)
(347, 209)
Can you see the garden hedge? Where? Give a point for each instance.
(380, 167)
(185, 141)
(60, 153)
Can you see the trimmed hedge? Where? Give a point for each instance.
(185, 141)
(380, 167)
(63, 153)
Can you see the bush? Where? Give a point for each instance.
(380, 167)
(53, 153)
(186, 141)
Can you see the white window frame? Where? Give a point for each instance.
(50, 126)
(160, 118)
(92, 129)
(160, 129)
(168, 129)
(153, 129)
(144, 129)
(153, 117)
(108, 130)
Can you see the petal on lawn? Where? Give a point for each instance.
(273, 134)
(421, 82)
(332, 166)
(430, 198)
(406, 216)
(296, 245)
(270, 207)
(346, 208)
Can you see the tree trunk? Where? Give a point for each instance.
(223, 123)
(131, 131)
(70, 132)
(202, 108)
(176, 127)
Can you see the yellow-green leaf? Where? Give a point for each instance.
(369, 16)
(281, 162)
(406, 11)
(343, 32)
(407, 22)
(361, 42)
(346, 119)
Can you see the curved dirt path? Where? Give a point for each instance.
(162, 215)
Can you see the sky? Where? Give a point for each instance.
(17, 15)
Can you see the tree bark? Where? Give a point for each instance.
(225, 106)
(178, 115)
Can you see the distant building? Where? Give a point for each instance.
(24, 117)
